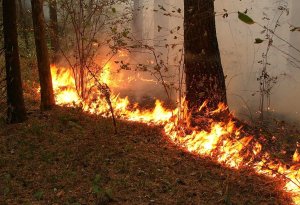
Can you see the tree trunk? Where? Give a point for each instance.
(294, 36)
(205, 79)
(138, 19)
(24, 26)
(54, 30)
(16, 112)
(47, 96)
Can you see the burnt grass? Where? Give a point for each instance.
(68, 157)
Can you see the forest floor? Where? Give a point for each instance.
(66, 157)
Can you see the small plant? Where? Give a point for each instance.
(35, 129)
(95, 186)
(86, 22)
(48, 157)
(266, 80)
(7, 181)
(102, 195)
(38, 195)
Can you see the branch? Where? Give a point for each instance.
(106, 91)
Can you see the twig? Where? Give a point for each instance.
(106, 91)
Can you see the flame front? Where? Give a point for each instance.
(223, 142)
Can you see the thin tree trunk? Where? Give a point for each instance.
(16, 112)
(138, 19)
(205, 79)
(47, 96)
(24, 26)
(54, 37)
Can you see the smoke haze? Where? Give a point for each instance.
(240, 55)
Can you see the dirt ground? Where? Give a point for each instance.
(67, 157)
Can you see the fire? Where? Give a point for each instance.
(223, 141)
(296, 156)
(63, 86)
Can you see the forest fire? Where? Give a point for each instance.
(223, 142)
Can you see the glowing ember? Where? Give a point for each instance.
(223, 142)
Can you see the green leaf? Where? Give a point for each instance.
(258, 41)
(245, 18)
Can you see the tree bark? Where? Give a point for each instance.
(205, 79)
(16, 112)
(23, 22)
(47, 96)
(54, 37)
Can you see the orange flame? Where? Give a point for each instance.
(223, 143)
(296, 156)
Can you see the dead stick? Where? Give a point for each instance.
(105, 89)
(112, 111)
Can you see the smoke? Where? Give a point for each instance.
(160, 26)
(157, 62)
(241, 56)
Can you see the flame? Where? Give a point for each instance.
(63, 85)
(105, 75)
(296, 156)
(221, 108)
(223, 141)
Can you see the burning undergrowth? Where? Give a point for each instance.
(222, 141)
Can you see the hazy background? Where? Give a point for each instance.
(240, 55)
